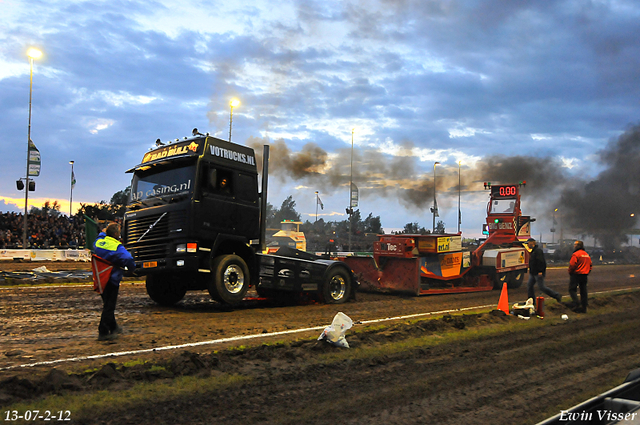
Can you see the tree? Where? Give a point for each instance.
(119, 201)
(99, 211)
(287, 211)
(414, 229)
(440, 227)
(320, 234)
(108, 211)
(356, 223)
(48, 209)
(372, 224)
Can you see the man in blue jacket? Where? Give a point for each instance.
(108, 247)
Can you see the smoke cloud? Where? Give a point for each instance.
(604, 206)
(600, 208)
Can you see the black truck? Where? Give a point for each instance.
(195, 221)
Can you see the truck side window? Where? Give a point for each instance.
(219, 182)
(246, 189)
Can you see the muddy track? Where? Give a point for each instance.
(518, 376)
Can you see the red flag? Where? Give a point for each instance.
(101, 272)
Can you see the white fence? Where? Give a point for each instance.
(46, 254)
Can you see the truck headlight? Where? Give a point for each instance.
(181, 247)
(192, 247)
(180, 263)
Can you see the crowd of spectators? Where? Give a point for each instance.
(44, 231)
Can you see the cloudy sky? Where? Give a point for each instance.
(542, 87)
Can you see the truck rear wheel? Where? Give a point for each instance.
(337, 287)
(165, 290)
(230, 280)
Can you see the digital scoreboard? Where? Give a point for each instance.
(504, 191)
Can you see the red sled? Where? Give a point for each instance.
(101, 272)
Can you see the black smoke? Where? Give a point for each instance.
(600, 208)
(603, 207)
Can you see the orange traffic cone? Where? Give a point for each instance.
(503, 303)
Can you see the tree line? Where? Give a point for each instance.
(321, 235)
(324, 235)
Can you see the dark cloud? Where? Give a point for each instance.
(410, 70)
(602, 207)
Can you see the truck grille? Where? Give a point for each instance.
(155, 243)
(150, 252)
(138, 226)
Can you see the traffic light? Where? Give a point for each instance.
(19, 185)
(32, 186)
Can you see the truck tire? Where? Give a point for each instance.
(230, 279)
(337, 287)
(165, 290)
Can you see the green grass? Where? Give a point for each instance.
(88, 405)
(103, 402)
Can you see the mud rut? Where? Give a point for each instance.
(520, 376)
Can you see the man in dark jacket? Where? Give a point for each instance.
(579, 268)
(108, 247)
(537, 272)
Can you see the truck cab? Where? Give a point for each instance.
(194, 222)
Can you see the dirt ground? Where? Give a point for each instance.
(521, 372)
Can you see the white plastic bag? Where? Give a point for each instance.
(334, 333)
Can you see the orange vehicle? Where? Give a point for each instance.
(437, 263)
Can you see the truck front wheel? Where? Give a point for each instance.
(337, 287)
(230, 280)
(165, 290)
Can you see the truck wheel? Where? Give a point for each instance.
(165, 290)
(230, 280)
(337, 287)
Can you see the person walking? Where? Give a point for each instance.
(579, 268)
(537, 272)
(109, 248)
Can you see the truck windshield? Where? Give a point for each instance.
(499, 206)
(162, 185)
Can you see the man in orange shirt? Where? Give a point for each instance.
(579, 268)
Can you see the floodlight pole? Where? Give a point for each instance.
(26, 186)
(435, 207)
(71, 195)
(351, 191)
(459, 211)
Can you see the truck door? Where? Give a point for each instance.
(229, 202)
